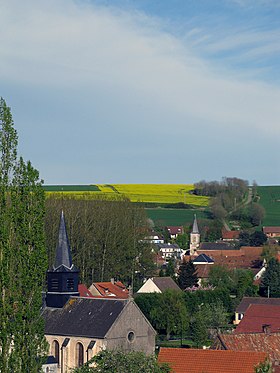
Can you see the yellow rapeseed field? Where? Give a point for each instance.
(153, 193)
(157, 193)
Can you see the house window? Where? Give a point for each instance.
(79, 354)
(55, 351)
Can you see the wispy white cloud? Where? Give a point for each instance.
(120, 77)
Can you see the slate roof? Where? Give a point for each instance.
(83, 317)
(210, 361)
(168, 246)
(246, 301)
(258, 315)
(195, 225)
(165, 283)
(203, 258)
(260, 342)
(63, 259)
(215, 246)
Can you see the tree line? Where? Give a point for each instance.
(107, 238)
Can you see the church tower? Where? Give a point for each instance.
(63, 278)
(195, 237)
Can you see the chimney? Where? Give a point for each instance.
(266, 328)
(112, 280)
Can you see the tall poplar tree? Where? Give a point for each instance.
(23, 259)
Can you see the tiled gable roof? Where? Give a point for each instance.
(210, 361)
(257, 316)
(175, 229)
(165, 283)
(110, 289)
(84, 292)
(269, 230)
(246, 301)
(260, 342)
(230, 235)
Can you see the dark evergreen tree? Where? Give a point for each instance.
(22, 256)
(270, 285)
(187, 276)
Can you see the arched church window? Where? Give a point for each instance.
(55, 350)
(79, 354)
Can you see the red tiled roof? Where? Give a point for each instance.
(175, 229)
(230, 235)
(210, 361)
(84, 292)
(109, 289)
(258, 315)
(260, 342)
(268, 230)
(246, 301)
(202, 270)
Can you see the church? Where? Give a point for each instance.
(76, 327)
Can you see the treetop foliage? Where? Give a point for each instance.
(23, 259)
(120, 362)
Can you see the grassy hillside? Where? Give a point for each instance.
(270, 200)
(149, 193)
(163, 217)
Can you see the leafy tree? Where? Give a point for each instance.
(187, 276)
(183, 240)
(119, 362)
(106, 236)
(270, 284)
(170, 314)
(256, 213)
(265, 367)
(258, 238)
(23, 261)
(170, 268)
(199, 330)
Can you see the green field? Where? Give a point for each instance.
(163, 217)
(270, 200)
(147, 193)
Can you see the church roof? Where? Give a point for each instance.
(83, 317)
(63, 259)
(195, 225)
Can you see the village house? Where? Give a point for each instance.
(109, 289)
(272, 232)
(260, 318)
(169, 250)
(247, 301)
(158, 285)
(174, 231)
(77, 328)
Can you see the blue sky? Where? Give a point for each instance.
(144, 91)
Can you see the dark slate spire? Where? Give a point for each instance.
(63, 251)
(195, 225)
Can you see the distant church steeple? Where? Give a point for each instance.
(63, 278)
(195, 237)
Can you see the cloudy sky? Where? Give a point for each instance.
(144, 91)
